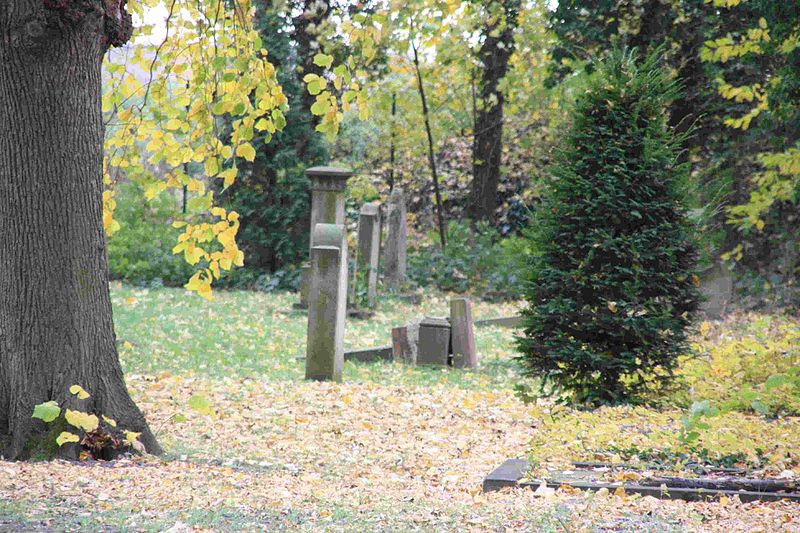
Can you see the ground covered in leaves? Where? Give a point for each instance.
(391, 449)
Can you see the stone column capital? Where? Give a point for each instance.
(328, 178)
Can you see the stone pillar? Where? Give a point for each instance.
(394, 254)
(327, 303)
(462, 336)
(369, 242)
(327, 207)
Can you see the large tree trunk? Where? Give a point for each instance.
(56, 327)
(487, 148)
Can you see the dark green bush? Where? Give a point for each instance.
(141, 251)
(612, 285)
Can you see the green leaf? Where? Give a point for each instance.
(201, 404)
(775, 381)
(47, 411)
(323, 60)
(759, 407)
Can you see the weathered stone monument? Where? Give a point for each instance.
(369, 243)
(327, 303)
(716, 286)
(462, 335)
(394, 254)
(327, 207)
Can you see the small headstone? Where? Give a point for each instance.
(434, 342)
(404, 344)
(716, 286)
(462, 334)
(327, 303)
(394, 253)
(369, 242)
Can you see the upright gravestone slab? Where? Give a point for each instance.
(369, 242)
(327, 207)
(434, 342)
(327, 303)
(394, 253)
(405, 340)
(716, 286)
(462, 336)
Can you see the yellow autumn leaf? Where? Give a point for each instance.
(131, 436)
(78, 391)
(85, 421)
(110, 421)
(246, 151)
(65, 437)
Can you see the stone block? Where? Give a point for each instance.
(434, 342)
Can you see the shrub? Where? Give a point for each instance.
(141, 251)
(474, 261)
(750, 363)
(612, 284)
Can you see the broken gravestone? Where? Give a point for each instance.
(434, 341)
(462, 335)
(369, 242)
(394, 252)
(716, 286)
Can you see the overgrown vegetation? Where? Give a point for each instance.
(750, 363)
(140, 252)
(612, 287)
(479, 261)
(740, 408)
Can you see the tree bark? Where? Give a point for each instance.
(487, 148)
(56, 325)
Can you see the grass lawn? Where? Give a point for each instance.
(391, 449)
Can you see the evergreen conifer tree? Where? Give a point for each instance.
(612, 285)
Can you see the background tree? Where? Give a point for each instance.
(612, 288)
(497, 45)
(756, 57)
(721, 157)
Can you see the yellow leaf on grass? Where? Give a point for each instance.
(81, 420)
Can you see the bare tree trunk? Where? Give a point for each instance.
(431, 157)
(391, 142)
(56, 327)
(487, 148)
